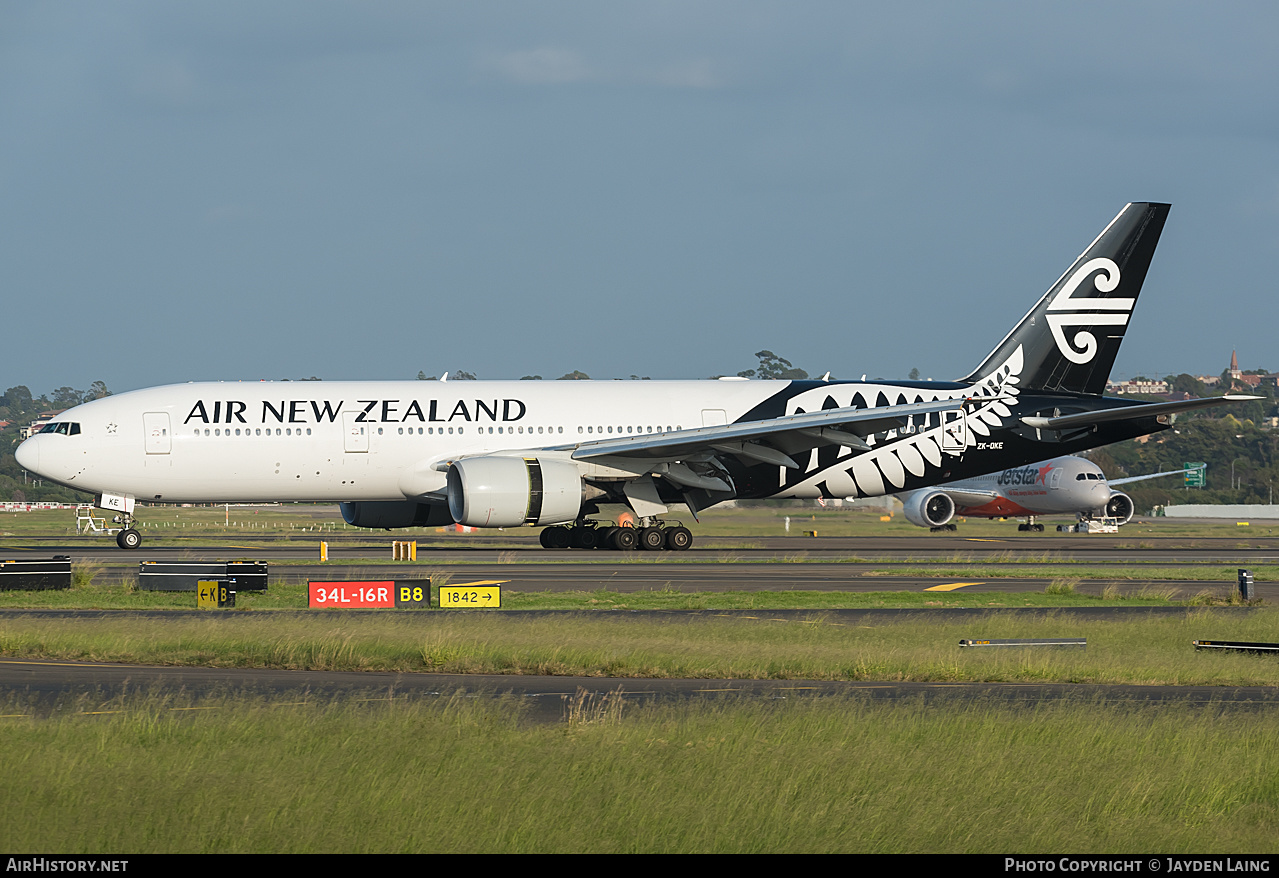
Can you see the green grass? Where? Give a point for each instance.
(921, 648)
(808, 775)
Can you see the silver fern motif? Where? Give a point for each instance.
(898, 454)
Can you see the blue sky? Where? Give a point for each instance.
(365, 190)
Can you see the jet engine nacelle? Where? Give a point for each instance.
(390, 514)
(1120, 507)
(495, 491)
(929, 508)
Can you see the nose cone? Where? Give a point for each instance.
(28, 455)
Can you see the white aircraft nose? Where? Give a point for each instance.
(28, 455)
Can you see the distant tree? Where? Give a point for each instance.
(574, 376)
(18, 399)
(461, 375)
(65, 397)
(638, 378)
(422, 376)
(1187, 383)
(914, 375)
(772, 366)
(531, 378)
(312, 378)
(97, 390)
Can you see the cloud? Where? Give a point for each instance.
(688, 74)
(541, 66)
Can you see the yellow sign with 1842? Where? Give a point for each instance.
(486, 594)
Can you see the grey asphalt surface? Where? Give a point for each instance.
(40, 687)
(794, 563)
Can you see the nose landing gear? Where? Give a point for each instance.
(128, 537)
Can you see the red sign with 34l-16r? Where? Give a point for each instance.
(370, 595)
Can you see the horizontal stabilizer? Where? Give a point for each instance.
(1129, 412)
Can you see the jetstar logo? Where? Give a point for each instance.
(367, 411)
(1026, 475)
(1085, 311)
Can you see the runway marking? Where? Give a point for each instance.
(951, 586)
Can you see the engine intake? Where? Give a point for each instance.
(929, 508)
(1120, 507)
(497, 491)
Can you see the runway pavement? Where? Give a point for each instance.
(40, 687)
(1252, 547)
(926, 562)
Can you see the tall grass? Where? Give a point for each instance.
(1141, 650)
(457, 775)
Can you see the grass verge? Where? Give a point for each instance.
(811, 775)
(1146, 650)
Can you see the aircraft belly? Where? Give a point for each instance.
(999, 508)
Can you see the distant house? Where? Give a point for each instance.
(44, 418)
(1157, 388)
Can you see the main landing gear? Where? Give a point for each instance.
(1030, 525)
(587, 534)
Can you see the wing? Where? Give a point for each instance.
(966, 499)
(762, 441)
(1171, 472)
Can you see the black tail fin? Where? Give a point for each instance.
(1069, 340)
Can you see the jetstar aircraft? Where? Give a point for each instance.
(504, 454)
(1061, 485)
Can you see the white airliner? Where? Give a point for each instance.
(1069, 484)
(510, 453)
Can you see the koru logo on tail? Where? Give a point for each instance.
(1087, 311)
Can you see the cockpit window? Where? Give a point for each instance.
(66, 428)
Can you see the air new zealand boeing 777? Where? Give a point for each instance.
(509, 453)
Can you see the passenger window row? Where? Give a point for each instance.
(256, 431)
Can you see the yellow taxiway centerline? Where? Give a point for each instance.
(951, 586)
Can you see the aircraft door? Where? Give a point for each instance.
(355, 435)
(1054, 478)
(954, 433)
(155, 427)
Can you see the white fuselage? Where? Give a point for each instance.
(376, 440)
(1061, 485)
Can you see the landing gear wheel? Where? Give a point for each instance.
(557, 537)
(678, 539)
(128, 539)
(651, 538)
(624, 538)
(583, 538)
